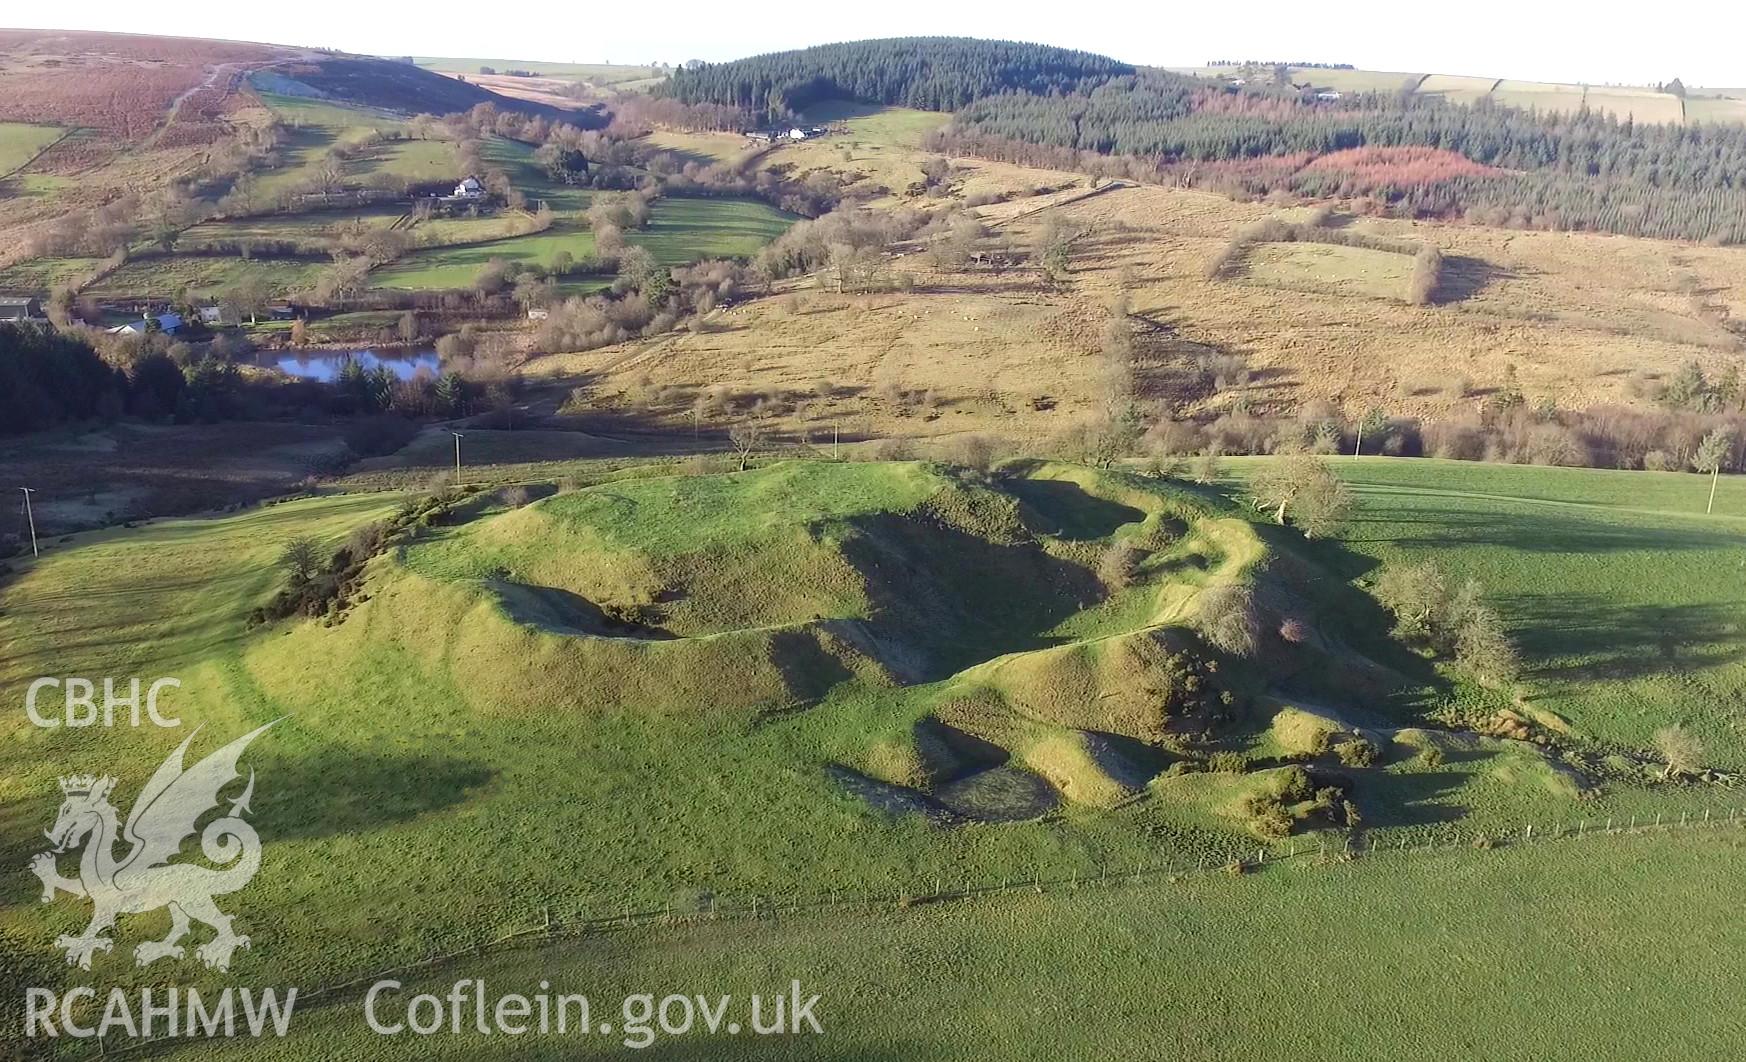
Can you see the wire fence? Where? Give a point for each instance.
(544, 927)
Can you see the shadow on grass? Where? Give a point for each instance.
(1588, 638)
(1559, 531)
(337, 790)
(1067, 511)
(1418, 798)
(1463, 277)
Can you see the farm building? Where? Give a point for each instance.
(1327, 95)
(793, 133)
(19, 308)
(167, 323)
(469, 188)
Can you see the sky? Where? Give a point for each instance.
(1542, 40)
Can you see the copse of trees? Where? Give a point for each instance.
(48, 377)
(929, 73)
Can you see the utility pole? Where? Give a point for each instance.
(458, 437)
(30, 516)
(1715, 474)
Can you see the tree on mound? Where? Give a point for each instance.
(1317, 499)
(1451, 619)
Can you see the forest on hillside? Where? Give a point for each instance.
(1422, 157)
(1415, 156)
(927, 73)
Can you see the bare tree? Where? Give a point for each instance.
(746, 437)
(1680, 748)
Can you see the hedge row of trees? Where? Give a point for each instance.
(930, 73)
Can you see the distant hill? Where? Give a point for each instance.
(927, 73)
(129, 87)
(396, 85)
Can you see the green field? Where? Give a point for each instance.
(679, 231)
(167, 276)
(302, 112)
(1625, 597)
(20, 143)
(1547, 952)
(897, 127)
(661, 692)
(42, 274)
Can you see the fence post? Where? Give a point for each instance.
(1528, 834)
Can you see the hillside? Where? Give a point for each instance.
(767, 672)
(1644, 103)
(926, 73)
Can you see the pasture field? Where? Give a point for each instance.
(1205, 968)
(880, 143)
(684, 230)
(679, 231)
(20, 143)
(703, 147)
(686, 748)
(1539, 95)
(457, 267)
(604, 74)
(1355, 80)
(165, 277)
(42, 274)
(330, 225)
(415, 160)
(1457, 88)
(1585, 320)
(1623, 595)
(899, 127)
(517, 160)
(1642, 104)
(1329, 269)
(1639, 106)
(1704, 109)
(305, 112)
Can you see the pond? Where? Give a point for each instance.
(325, 366)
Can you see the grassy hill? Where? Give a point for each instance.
(806, 680)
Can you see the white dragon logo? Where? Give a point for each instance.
(164, 816)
